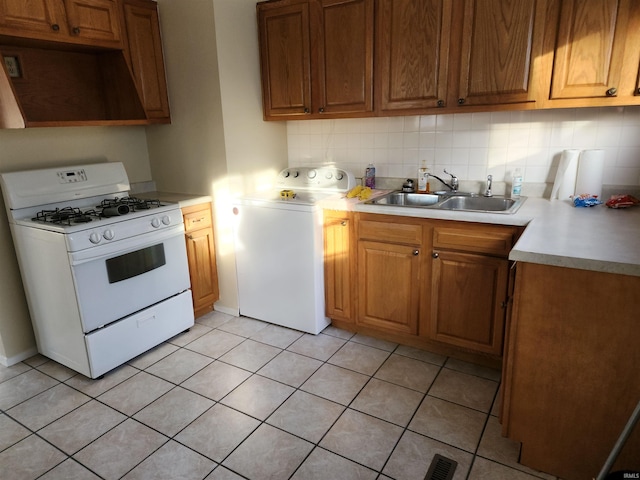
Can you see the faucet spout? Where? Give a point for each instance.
(487, 192)
(453, 186)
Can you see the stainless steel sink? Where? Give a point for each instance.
(451, 201)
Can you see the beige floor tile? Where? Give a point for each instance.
(360, 358)
(306, 416)
(11, 432)
(48, 406)
(461, 388)
(36, 360)
(130, 443)
(217, 432)
(290, 368)
(255, 458)
(361, 438)
(215, 343)
(214, 319)
(487, 470)
(135, 393)
(414, 453)
(222, 473)
(338, 332)
(69, 470)
(420, 354)
(152, 356)
(29, 458)
(449, 423)
(374, 342)
(277, 336)
(250, 355)
(174, 411)
(258, 397)
(77, 429)
(322, 465)
(408, 372)
(14, 370)
(179, 366)
(320, 346)
(172, 461)
(184, 338)
(243, 326)
(472, 369)
(335, 383)
(216, 380)
(93, 388)
(57, 371)
(388, 401)
(22, 387)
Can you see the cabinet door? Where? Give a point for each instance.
(202, 270)
(590, 49)
(412, 53)
(42, 19)
(147, 64)
(388, 286)
(337, 266)
(94, 21)
(345, 51)
(468, 298)
(500, 49)
(285, 60)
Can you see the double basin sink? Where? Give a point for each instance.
(469, 202)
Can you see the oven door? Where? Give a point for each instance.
(121, 278)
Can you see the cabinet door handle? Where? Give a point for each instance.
(321, 110)
(343, 223)
(55, 27)
(416, 252)
(612, 92)
(441, 103)
(461, 101)
(76, 30)
(638, 91)
(435, 254)
(306, 110)
(190, 237)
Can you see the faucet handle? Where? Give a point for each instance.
(454, 181)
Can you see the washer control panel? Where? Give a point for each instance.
(330, 179)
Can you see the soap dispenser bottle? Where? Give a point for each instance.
(423, 178)
(516, 184)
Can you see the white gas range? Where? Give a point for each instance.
(105, 274)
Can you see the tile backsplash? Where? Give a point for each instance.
(473, 145)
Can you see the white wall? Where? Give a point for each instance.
(49, 147)
(473, 145)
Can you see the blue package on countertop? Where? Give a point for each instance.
(585, 200)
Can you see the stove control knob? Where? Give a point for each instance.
(166, 220)
(155, 223)
(95, 238)
(108, 234)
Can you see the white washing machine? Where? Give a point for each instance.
(279, 248)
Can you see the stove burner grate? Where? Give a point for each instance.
(133, 203)
(65, 216)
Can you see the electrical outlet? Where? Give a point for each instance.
(13, 66)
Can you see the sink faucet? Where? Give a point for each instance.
(454, 181)
(487, 192)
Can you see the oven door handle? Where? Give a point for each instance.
(119, 247)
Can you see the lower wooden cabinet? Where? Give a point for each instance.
(422, 281)
(201, 257)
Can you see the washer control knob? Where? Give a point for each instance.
(108, 234)
(166, 220)
(339, 175)
(328, 175)
(296, 174)
(312, 174)
(286, 173)
(155, 223)
(94, 238)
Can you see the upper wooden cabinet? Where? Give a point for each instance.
(597, 53)
(86, 22)
(145, 54)
(316, 58)
(501, 46)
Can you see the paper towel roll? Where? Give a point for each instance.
(565, 182)
(590, 172)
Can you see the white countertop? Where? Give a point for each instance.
(557, 233)
(182, 199)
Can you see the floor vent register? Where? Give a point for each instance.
(441, 468)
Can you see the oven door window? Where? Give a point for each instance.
(135, 263)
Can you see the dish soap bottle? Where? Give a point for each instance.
(370, 176)
(423, 179)
(516, 184)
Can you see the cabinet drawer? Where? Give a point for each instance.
(495, 241)
(405, 233)
(194, 220)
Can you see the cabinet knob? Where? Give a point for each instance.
(435, 254)
(343, 223)
(441, 103)
(638, 91)
(190, 237)
(76, 30)
(612, 92)
(55, 27)
(321, 110)
(416, 252)
(461, 101)
(306, 110)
